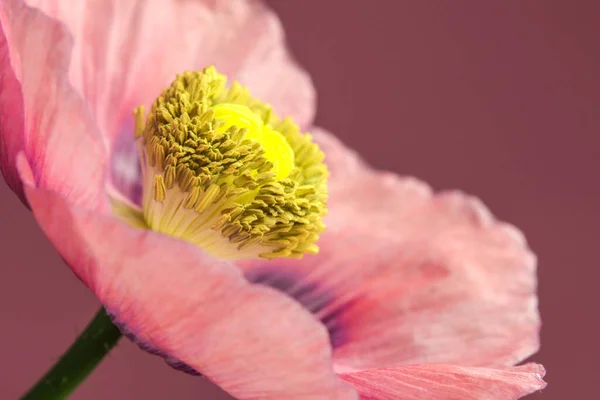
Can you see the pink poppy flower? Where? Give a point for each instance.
(413, 295)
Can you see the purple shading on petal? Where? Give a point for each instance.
(125, 169)
(314, 297)
(181, 366)
(332, 320)
(172, 362)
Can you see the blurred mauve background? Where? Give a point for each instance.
(499, 99)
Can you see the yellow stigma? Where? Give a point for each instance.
(277, 150)
(222, 170)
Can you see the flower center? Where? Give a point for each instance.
(221, 170)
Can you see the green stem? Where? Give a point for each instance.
(98, 338)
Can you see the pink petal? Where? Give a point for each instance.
(447, 382)
(127, 51)
(196, 310)
(408, 277)
(40, 113)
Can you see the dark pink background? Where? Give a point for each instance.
(497, 98)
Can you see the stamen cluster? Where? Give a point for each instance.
(216, 187)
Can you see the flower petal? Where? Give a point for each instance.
(195, 310)
(128, 51)
(40, 113)
(447, 382)
(408, 277)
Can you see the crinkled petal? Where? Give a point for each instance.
(447, 382)
(41, 114)
(408, 277)
(128, 51)
(193, 309)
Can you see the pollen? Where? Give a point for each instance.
(223, 171)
